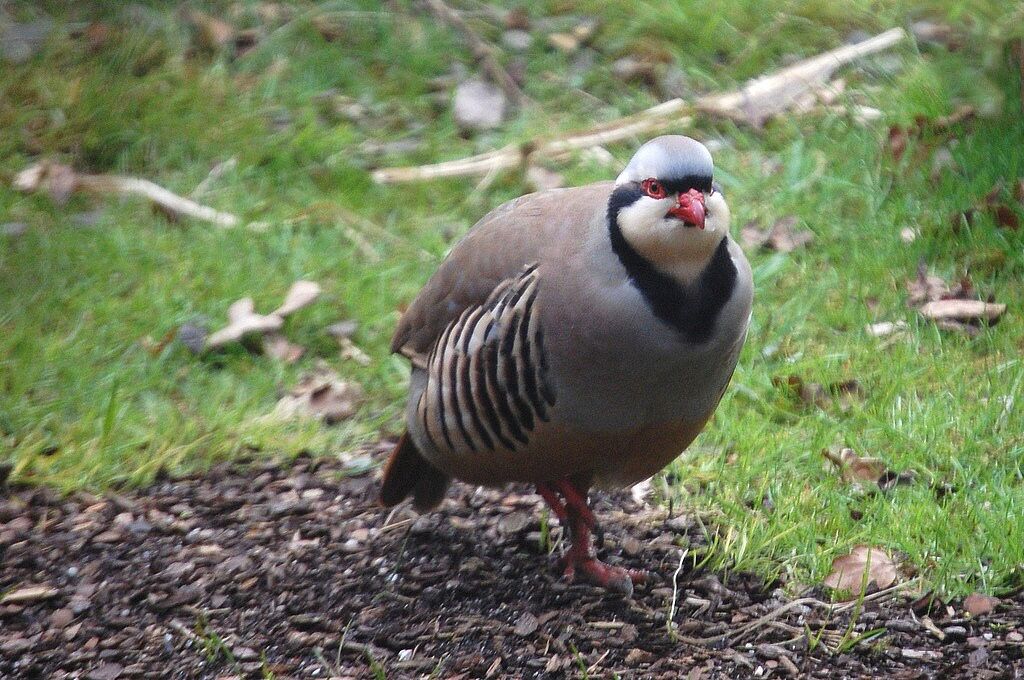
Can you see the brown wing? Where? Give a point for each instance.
(497, 248)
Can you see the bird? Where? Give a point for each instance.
(575, 338)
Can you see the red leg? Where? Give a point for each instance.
(580, 559)
(554, 502)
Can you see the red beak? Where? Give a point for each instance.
(690, 209)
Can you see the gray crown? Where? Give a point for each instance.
(668, 157)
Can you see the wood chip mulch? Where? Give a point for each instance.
(256, 570)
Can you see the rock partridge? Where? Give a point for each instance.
(575, 337)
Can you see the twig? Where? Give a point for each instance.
(675, 589)
(60, 181)
(764, 97)
(756, 101)
(216, 172)
(175, 204)
(481, 49)
(768, 618)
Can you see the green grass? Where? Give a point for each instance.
(83, 402)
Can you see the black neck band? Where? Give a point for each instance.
(691, 309)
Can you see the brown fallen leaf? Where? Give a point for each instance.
(279, 347)
(863, 565)
(854, 468)
(957, 308)
(977, 604)
(780, 237)
(937, 34)
(350, 351)
(1004, 206)
(323, 395)
(242, 321)
(843, 393)
(211, 33)
(301, 294)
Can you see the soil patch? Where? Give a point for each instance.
(258, 570)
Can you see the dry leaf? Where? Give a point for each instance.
(885, 328)
(854, 468)
(848, 571)
(212, 33)
(242, 321)
(323, 395)
(56, 179)
(278, 346)
(999, 204)
(822, 396)
(977, 604)
(780, 237)
(350, 351)
(937, 34)
(301, 294)
(28, 594)
(331, 27)
(925, 288)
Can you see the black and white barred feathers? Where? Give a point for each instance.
(487, 384)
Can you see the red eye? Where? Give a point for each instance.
(653, 188)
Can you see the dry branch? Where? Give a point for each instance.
(483, 51)
(60, 181)
(756, 101)
(769, 95)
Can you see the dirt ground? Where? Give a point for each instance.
(255, 570)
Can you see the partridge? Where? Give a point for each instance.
(575, 337)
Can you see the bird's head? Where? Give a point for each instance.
(666, 206)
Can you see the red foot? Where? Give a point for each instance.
(579, 561)
(595, 571)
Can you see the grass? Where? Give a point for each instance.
(91, 396)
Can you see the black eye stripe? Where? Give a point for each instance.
(684, 184)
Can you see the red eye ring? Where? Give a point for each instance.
(653, 188)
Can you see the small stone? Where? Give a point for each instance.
(1014, 636)
(979, 657)
(13, 228)
(564, 42)
(631, 546)
(516, 40)
(921, 654)
(977, 604)
(106, 671)
(636, 656)
(61, 618)
(527, 624)
(901, 626)
(513, 523)
(478, 105)
(109, 536)
(955, 632)
(245, 654)
(15, 646)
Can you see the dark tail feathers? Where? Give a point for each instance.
(408, 472)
